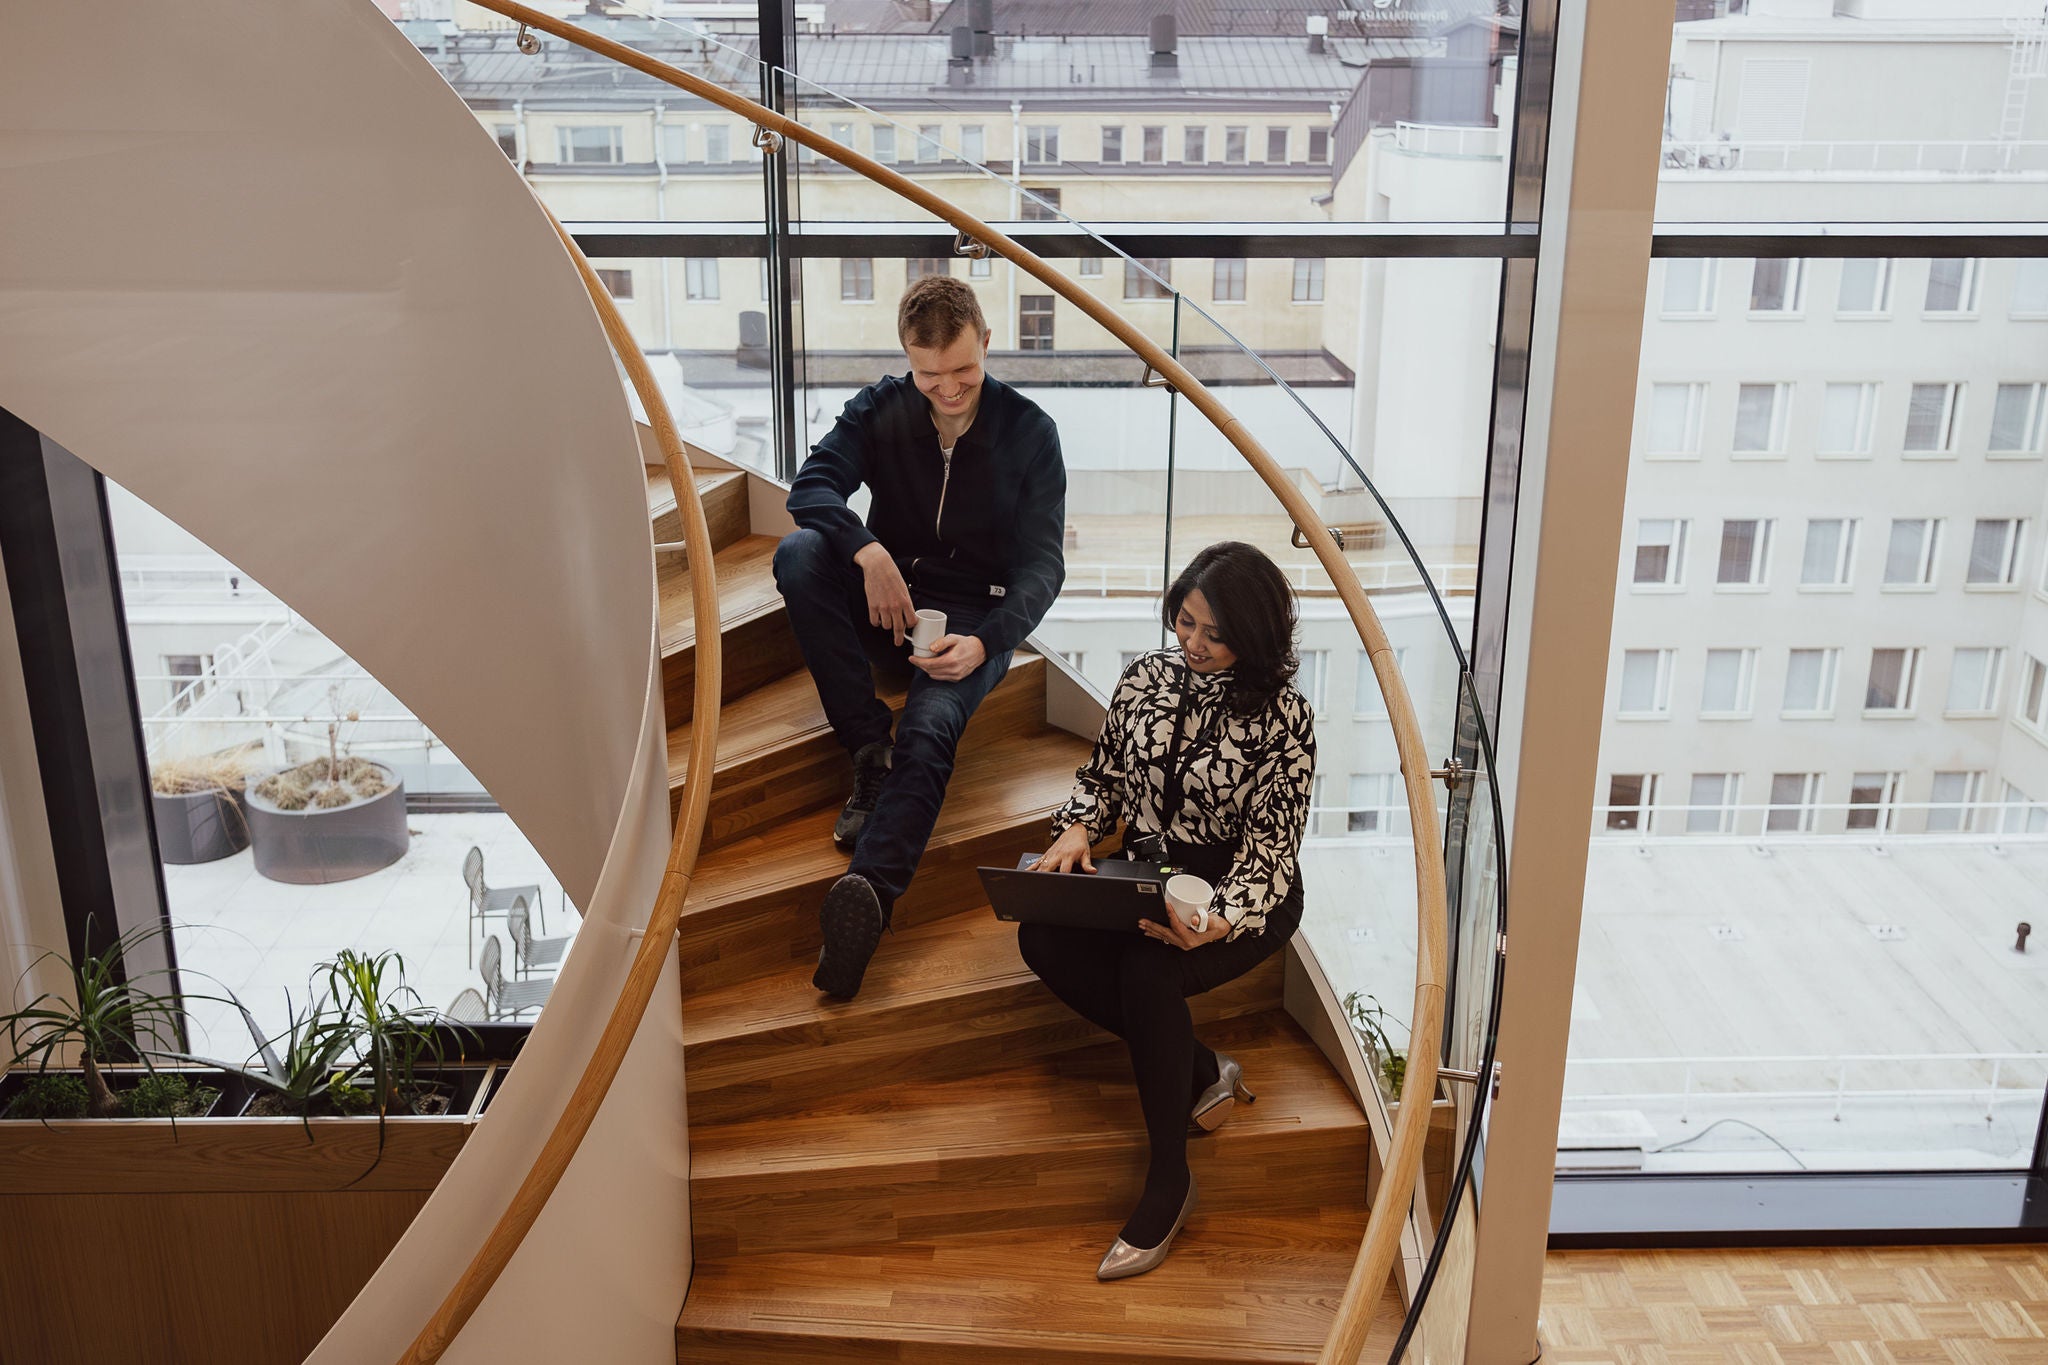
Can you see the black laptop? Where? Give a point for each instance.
(1116, 895)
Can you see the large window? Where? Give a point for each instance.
(1150, 278)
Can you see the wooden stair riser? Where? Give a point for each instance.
(725, 512)
(1241, 1168)
(763, 933)
(814, 772)
(781, 1070)
(757, 649)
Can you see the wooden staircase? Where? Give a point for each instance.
(929, 1173)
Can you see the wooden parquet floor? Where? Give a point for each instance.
(1798, 1306)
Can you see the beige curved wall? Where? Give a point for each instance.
(258, 264)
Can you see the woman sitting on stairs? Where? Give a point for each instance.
(1208, 756)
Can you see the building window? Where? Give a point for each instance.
(1075, 658)
(1377, 802)
(1314, 677)
(675, 143)
(1674, 424)
(1308, 280)
(1112, 146)
(1630, 797)
(2021, 815)
(1234, 146)
(1931, 419)
(973, 143)
(1276, 146)
(1762, 412)
(1367, 701)
(1125, 658)
(1795, 798)
(1995, 553)
(1194, 146)
(1775, 286)
(1848, 417)
(1646, 682)
(1149, 277)
(1711, 809)
(981, 267)
(1973, 677)
(1866, 288)
(1909, 558)
(1745, 554)
(1319, 146)
(1810, 682)
(885, 143)
(1039, 204)
(2034, 696)
(1152, 143)
(920, 267)
(588, 146)
(700, 278)
(1089, 268)
(1229, 281)
(842, 133)
(1894, 682)
(1034, 322)
(1727, 687)
(1041, 144)
(857, 279)
(1689, 287)
(2016, 420)
(617, 283)
(2030, 289)
(929, 146)
(507, 135)
(717, 144)
(1830, 549)
(1952, 287)
(1871, 798)
(1660, 552)
(1951, 801)
(185, 672)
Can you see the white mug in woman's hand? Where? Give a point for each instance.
(1189, 896)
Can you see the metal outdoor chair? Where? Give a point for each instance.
(467, 1007)
(486, 901)
(508, 999)
(529, 952)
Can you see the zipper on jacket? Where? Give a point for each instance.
(945, 479)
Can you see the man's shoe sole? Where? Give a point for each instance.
(851, 923)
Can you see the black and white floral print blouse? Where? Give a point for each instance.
(1244, 779)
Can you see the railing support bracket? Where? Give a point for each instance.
(1300, 538)
(1454, 773)
(1155, 380)
(528, 41)
(767, 139)
(963, 245)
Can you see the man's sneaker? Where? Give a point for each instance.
(870, 766)
(851, 921)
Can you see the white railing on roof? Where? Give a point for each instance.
(1982, 157)
(1800, 822)
(1106, 580)
(1716, 1081)
(1447, 139)
(156, 580)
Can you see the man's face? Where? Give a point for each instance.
(949, 376)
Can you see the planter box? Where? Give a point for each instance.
(121, 1078)
(313, 847)
(199, 827)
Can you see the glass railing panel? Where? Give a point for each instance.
(302, 810)
(1816, 834)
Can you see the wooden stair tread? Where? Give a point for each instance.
(1071, 1101)
(746, 588)
(787, 711)
(661, 494)
(992, 787)
(1240, 1286)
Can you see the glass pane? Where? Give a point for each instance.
(1796, 112)
(1824, 1037)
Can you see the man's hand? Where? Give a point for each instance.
(1068, 852)
(889, 603)
(953, 657)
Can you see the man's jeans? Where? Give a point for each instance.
(828, 609)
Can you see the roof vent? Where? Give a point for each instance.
(981, 18)
(1318, 33)
(1165, 41)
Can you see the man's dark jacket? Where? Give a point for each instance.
(996, 540)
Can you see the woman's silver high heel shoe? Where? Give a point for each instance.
(1123, 1260)
(1215, 1104)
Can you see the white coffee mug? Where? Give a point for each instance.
(930, 626)
(1189, 896)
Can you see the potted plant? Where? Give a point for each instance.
(197, 805)
(332, 819)
(1370, 1020)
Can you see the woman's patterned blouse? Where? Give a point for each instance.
(1245, 779)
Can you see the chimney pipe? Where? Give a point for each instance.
(1165, 42)
(1318, 33)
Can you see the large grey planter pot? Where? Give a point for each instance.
(313, 847)
(199, 827)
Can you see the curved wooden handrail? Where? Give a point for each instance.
(649, 959)
(1382, 1239)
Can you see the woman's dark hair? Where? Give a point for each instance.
(1255, 614)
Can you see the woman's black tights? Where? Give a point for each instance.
(1138, 988)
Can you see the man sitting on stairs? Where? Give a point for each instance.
(967, 517)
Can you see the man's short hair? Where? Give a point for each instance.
(936, 310)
